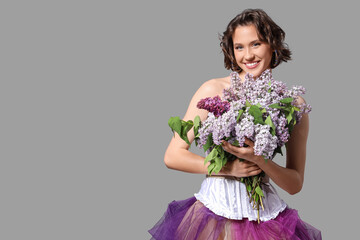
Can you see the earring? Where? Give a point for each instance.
(275, 58)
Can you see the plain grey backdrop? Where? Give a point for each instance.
(87, 88)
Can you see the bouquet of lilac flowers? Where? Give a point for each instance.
(260, 109)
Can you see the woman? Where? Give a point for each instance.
(252, 43)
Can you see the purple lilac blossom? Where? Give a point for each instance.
(214, 105)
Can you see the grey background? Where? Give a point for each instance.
(87, 88)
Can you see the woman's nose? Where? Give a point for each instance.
(249, 54)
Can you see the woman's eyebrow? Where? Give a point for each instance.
(249, 43)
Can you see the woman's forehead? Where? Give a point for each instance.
(244, 34)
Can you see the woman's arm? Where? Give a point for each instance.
(177, 155)
(290, 178)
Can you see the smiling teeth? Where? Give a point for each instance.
(251, 64)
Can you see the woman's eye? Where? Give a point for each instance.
(238, 47)
(256, 44)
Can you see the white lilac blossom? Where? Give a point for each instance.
(265, 143)
(206, 129)
(245, 128)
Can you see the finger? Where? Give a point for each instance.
(231, 148)
(225, 146)
(248, 163)
(249, 142)
(252, 169)
(254, 172)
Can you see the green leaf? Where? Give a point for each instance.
(291, 127)
(211, 168)
(175, 124)
(218, 161)
(211, 155)
(289, 117)
(259, 191)
(218, 165)
(287, 100)
(269, 90)
(224, 160)
(247, 104)
(249, 188)
(221, 152)
(209, 143)
(269, 122)
(236, 143)
(294, 115)
(276, 105)
(181, 127)
(255, 178)
(185, 128)
(217, 168)
(241, 111)
(287, 108)
(197, 124)
(256, 113)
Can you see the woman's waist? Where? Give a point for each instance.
(228, 197)
(220, 187)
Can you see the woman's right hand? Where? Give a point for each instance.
(238, 168)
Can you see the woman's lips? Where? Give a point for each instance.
(252, 65)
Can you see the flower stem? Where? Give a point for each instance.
(261, 203)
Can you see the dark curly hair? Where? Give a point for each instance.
(268, 31)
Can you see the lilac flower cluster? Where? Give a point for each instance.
(245, 128)
(265, 143)
(214, 105)
(206, 128)
(222, 120)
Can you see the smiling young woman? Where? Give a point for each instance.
(250, 52)
(252, 43)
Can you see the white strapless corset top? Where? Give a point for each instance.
(228, 198)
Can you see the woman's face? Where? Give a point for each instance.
(252, 55)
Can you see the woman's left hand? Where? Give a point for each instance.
(246, 153)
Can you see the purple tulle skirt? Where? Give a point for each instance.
(190, 219)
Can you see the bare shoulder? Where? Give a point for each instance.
(210, 88)
(214, 86)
